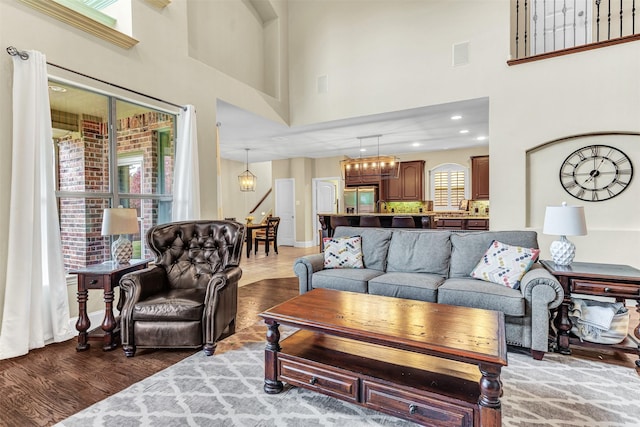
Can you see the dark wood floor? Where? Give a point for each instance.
(50, 384)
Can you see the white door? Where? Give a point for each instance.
(325, 201)
(558, 24)
(286, 209)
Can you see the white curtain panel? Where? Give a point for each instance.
(186, 175)
(36, 308)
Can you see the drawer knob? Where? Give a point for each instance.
(313, 381)
(607, 290)
(413, 408)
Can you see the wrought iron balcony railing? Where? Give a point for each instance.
(545, 28)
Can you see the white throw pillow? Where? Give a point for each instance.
(343, 252)
(505, 264)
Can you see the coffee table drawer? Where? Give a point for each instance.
(415, 407)
(317, 378)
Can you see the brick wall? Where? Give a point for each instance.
(83, 166)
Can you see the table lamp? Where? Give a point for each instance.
(564, 221)
(120, 221)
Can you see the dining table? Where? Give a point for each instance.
(250, 228)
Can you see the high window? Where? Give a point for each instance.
(109, 153)
(449, 186)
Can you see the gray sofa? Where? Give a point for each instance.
(435, 266)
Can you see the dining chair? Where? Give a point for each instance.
(270, 234)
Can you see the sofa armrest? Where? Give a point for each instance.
(304, 267)
(542, 293)
(539, 283)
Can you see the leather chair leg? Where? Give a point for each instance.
(129, 350)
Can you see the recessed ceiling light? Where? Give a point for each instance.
(456, 117)
(481, 138)
(464, 131)
(363, 149)
(57, 88)
(416, 144)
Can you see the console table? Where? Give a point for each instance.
(621, 282)
(105, 276)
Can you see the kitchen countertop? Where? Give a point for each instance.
(436, 214)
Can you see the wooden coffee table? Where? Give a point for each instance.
(411, 359)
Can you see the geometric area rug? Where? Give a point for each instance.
(226, 390)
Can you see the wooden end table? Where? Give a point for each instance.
(415, 360)
(620, 282)
(105, 276)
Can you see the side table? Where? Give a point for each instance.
(621, 282)
(105, 276)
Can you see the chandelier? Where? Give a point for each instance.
(374, 167)
(246, 179)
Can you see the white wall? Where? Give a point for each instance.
(393, 55)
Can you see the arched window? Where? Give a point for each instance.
(449, 186)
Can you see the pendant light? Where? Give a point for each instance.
(246, 179)
(376, 167)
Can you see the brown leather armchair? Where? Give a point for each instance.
(189, 298)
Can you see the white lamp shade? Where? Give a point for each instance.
(564, 221)
(119, 221)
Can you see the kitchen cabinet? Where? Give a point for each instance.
(353, 178)
(477, 224)
(462, 223)
(410, 183)
(480, 178)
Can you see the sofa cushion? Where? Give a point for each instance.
(468, 248)
(375, 244)
(354, 279)
(343, 252)
(505, 264)
(419, 252)
(480, 294)
(417, 286)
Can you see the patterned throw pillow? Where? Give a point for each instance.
(505, 264)
(343, 252)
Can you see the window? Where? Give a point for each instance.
(449, 186)
(107, 19)
(96, 169)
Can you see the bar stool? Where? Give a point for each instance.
(403, 222)
(369, 221)
(337, 221)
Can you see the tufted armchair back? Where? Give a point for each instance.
(191, 252)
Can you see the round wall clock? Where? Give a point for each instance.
(596, 173)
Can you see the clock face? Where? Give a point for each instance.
(596, 173)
